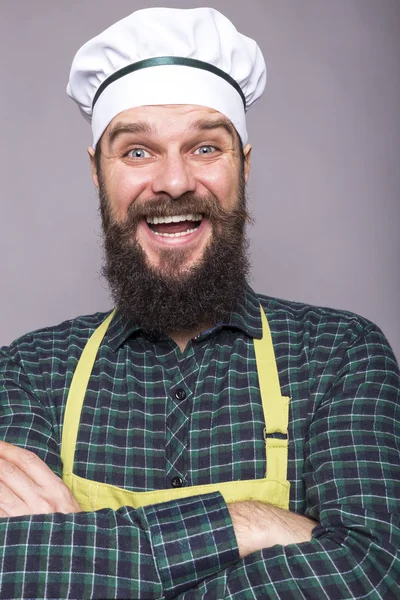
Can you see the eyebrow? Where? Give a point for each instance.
(209, 124)
(120, 128)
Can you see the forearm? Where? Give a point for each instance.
(259, 526)
(154, 552)
(353, 558)
(82, 555)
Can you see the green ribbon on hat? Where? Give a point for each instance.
(168, 60)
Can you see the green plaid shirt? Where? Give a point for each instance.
(153, 414)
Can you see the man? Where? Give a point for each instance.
(154, 452)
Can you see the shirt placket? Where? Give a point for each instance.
(178, 412)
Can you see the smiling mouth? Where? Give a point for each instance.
(176, 225)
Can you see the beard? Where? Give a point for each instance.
(171, 297)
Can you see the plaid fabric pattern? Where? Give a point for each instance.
(153, 413)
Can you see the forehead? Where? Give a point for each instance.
(169, 120)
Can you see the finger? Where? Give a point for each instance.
(19, 495)
(11, 504)
(30, 464)
(40, 489)
(16, 480)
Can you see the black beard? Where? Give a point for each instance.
(169, 297)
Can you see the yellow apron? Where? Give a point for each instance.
(273, 489)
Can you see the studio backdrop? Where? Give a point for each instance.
(325, 181)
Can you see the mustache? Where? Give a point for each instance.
(188, 203)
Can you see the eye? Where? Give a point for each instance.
(138, 153)
(205, 150)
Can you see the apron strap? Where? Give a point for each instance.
(77, 394)
(275, 406)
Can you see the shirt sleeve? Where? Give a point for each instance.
(154, 552)
(352, 481)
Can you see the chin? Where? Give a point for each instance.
(170, 270)
(174, 263)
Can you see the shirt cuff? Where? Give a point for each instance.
(192, 538)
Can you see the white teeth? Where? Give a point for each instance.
(175, 234)
(174, 219)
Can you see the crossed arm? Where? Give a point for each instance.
(29, 487)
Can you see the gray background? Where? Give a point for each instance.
(325, 183)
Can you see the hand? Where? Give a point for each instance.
(259, 526)
(29, 487)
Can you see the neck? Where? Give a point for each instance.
(181, 338)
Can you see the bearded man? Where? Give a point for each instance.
(201, 440)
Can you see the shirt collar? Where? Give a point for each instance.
(246, 317)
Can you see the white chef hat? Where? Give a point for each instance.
(167, 56)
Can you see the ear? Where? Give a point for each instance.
(93, 166)
(247, 154)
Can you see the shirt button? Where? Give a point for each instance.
(180, 394)
(176, 482)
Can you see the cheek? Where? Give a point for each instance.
(222, 183)
(124, 187)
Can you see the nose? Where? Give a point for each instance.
(173, 177)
